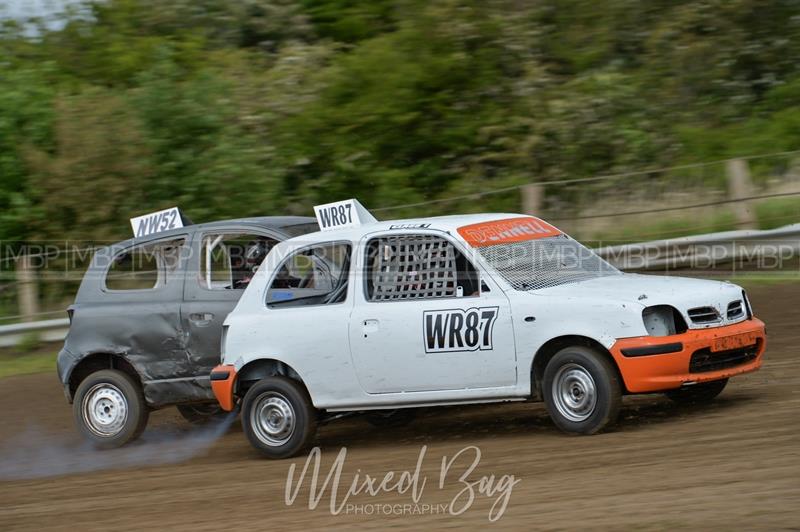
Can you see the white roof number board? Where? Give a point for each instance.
(156, 222)
(342, 214)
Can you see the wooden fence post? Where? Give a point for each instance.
(532, 196)
(27, 289)
(741, 186)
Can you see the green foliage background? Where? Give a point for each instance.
(250, 107)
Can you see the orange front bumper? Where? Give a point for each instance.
(643, 372)
(223, 380)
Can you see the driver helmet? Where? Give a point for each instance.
(256, 253)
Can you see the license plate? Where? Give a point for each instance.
(726, 343)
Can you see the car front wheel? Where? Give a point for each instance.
(109, 409)
(278, 417)
(582, 391)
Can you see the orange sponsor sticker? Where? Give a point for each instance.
(506, 231)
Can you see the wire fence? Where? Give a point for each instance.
(655, 202)
(600, 210)
(590, 179)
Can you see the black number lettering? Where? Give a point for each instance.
(487, 319)
(325, 218)
(153, 222)
(456, 322)
(436, 327)
(471, 333)
(448, 331)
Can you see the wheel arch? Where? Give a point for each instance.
(549, 349)
(93, 362)
(259, 368)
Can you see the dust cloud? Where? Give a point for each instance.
(33, 453)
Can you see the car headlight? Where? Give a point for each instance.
(747, 305)
(663, 320)
(223, 338)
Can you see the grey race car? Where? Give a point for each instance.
(146, 324)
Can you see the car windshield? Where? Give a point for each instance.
(545, 262)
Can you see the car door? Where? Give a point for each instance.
(303, 318)
(218, 273)
(138, 311)
(426, 319)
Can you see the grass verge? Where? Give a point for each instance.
(43, 360)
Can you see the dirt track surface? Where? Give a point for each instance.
(734, 463)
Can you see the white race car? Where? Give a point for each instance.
(387, 316)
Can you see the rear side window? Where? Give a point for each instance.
(417, 267)
(311, 276)
(145, 267)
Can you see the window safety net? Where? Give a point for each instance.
(413, 267)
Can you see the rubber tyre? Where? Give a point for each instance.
(697, 393)
(138, 413)
(385, 419)
(305, 416)
(607, 388)
(201, 414)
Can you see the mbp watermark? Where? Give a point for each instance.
(458, 472)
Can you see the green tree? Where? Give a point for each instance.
(92, 182)
(26, 116)
(268, 106)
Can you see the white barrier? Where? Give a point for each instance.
(46, 331)
(706, 251)
(698, 252)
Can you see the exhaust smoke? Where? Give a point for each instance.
(34, 453)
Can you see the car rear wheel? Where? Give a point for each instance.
(109, 409)
(697, 393)
(278, 417)
(582, 391)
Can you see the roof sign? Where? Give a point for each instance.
(342, 214)
(156, 222)
(506, 231)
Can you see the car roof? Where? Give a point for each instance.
(276, 223)
(441, 223)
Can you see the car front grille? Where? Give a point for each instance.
(704, 315)
(704, 360)
(735, 310)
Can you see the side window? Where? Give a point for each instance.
(228, 261)
(146, 266)
(312, 276)
(417, 267)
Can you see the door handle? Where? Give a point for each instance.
(370, 326)
(201, 319)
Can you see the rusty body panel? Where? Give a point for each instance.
(169, 335)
